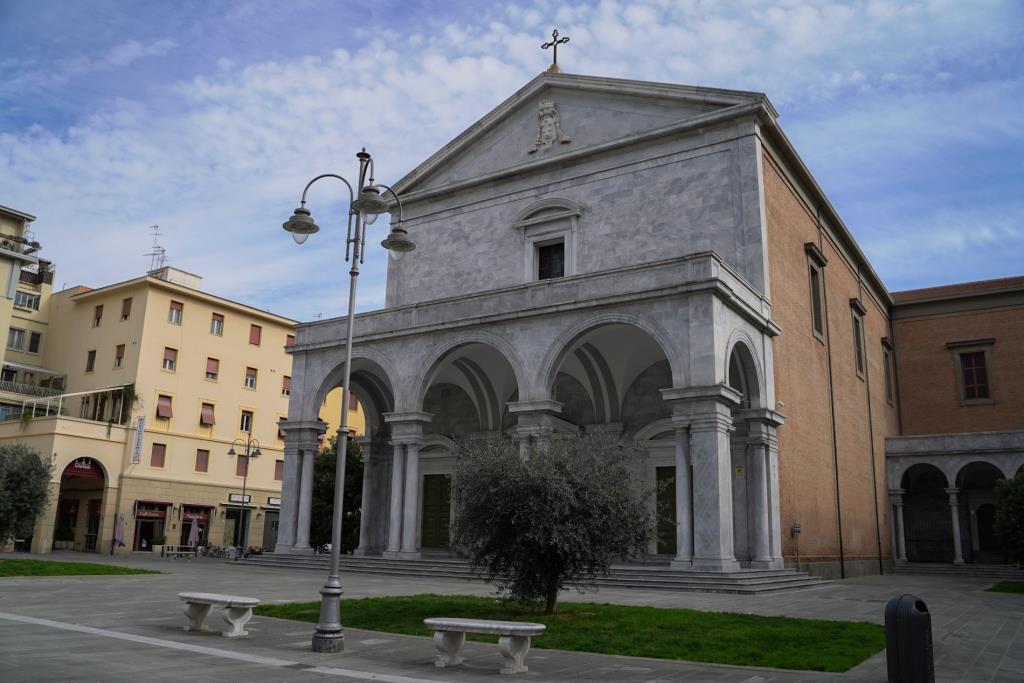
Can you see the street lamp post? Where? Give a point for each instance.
(252, 451)
(362, 211)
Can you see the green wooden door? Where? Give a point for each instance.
(665, 505)
(437, 502)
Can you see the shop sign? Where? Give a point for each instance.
(239, 498)
(83, 467)
(273, 501)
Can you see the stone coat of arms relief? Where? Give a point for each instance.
(549, 129)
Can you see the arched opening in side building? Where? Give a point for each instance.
(978, 499)
(742, 376)
(80, 506)
(928, 529)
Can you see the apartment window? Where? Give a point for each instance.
(170, 359)
(217, 324)
(858, 344)
(206, 415)
(90, 361)
(163, 407)
(174, 312)
(158, 455)
(353, 402)
(26, 300)
(286, 386)
(97, 316)
(119, 355)
(289, 340)
(35, 340)
(212, 369)
(202, 460)
(241, 466)
(973, 359)
(250, 378)
(15, 339)
(126, 308)
(551, 260)
(246, 423)
(279, 470)
(280, 429)
(8, 375)
(255, 333)
(816, 274)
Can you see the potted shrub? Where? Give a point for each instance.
(64, 539)
(158, 544)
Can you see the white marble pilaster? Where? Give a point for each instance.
(896, 497)
(712, 498)
(395, 508)
(684, 502)
(305, 512)
(954, 512)
(411, 514)
(760, 551)
(366, 501)
(289, 498)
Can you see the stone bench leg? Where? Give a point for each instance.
(196, 613)
(448, 644)
(514, 649)
(236, 618)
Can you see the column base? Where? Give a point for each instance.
(958, 562)
(681, 565)
(301, 550)
(767, 564)
(366, 552)
(282, 549)
(715, 564)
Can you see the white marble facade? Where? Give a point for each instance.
(659, 327)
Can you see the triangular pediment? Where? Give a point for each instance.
(559, 115)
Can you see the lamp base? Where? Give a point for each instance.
(329, 643)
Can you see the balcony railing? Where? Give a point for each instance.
(28, 389)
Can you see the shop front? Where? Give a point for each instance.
(197, 516)
(150, 522)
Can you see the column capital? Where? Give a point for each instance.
(896, 496)
(303, 428)
(407, 426)
(544, 405)
(720, 393)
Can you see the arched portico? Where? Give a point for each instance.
(80, 506)
(977, 500)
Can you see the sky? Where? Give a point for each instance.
(208, 117)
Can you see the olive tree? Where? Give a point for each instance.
(1010, 516)
(560, 516)
(24, 489)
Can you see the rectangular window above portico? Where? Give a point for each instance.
(549, 238)
(973, 359)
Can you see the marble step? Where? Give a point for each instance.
(978, 570)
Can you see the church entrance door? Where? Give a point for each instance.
(665, 507)
(437, 503)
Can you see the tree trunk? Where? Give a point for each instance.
(552, 598)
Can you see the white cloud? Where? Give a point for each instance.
(222, 166)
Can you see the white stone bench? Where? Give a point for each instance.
(514, 643)
(237, 611)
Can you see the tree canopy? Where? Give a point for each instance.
(323, 495)
(1010, 516)
(559, 517)
(24, 489)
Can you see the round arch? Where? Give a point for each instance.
(368, 360)
(555, 355)
(501, 345)
(979, 474)
(552, 208)
(743, 368)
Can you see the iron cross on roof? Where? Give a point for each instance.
(555, 42)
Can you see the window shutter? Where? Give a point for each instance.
(289, 340)
(279, 470)
(241, 466)
(177, 306)
(156, 458)
(171, 354)
(212, 365)
(280, 430)
(286, 383)
(206, 419)
(126, 308)
(163, 407)
(255, 332)
(202, 460)
(353, 402)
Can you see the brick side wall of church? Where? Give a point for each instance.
(927, 371)
(807, 458)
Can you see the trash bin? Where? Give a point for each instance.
(908, 641)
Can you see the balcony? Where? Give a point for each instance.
(9, 387)
(18, 245)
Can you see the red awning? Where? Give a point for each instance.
(86, 468)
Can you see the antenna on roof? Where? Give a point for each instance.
(318, 316)
(157, 257)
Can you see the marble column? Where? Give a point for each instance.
(365, 500)
(305, 512)
(684, 502)
(954, 512)
(760, 551)
(411, 515)
(896, 497)
(712, 494)
(395, 508)
(289, 498)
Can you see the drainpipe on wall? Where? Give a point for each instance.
(832, 408)
(871, 432)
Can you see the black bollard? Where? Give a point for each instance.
(908, 641)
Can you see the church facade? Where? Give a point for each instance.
(639, 259)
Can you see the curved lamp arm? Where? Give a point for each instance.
(401, 213)
(351, 194)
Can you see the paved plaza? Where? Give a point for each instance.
(118, 628)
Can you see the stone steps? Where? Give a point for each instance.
(646, 577)
(987, 571)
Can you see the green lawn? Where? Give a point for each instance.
(779, 642)
(46, 568)
(1007, 587)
